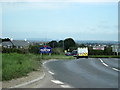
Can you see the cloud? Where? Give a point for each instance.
(16, 6)
(59, 1)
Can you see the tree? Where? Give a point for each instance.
(53, 44)
(69, 42)
(34, 48)
(108, 51)
(82, 45)
(57, 51)
(61, 43)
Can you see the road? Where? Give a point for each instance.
(84, 73)
(78, 73)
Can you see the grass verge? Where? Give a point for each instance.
(16, 65)
(104, 56)
(0, 66)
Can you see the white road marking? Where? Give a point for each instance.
(101, 60)
(57, 82)
(105, 64)
(65, 86)
(51, 72)
(108, 66)
(49, 61)
(44, 62)
(115, 69)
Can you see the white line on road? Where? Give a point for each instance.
(51, 72)
(115, 69)
(108, 66)
(101, 60)
(49, 61)
(105, 64)
(57, 82)
(65, 86)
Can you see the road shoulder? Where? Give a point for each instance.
(30, 78)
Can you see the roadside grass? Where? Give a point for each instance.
(0, 66)
(62, 56)
(16, 65)
(104, 56)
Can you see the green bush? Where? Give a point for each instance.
(14, 50)
(57, 51)
(106, 51)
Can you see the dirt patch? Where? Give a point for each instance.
(31, 76)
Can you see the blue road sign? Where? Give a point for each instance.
(45, 50)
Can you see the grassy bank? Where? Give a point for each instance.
(16, 65)
(47, 57)
(0, 67)
(104, 56)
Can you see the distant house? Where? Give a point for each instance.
(98, 47)
(115, 48)
(19, 44)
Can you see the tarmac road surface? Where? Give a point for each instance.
(84, 73)
(78, 73)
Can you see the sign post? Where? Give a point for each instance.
(46, 50)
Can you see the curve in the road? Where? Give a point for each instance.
(84, 73)
(112, 65)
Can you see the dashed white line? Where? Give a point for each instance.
(108, 66)
(51, 72)
(105, 64)
(57, 82)
(65, 86)
(101, 60)
(115, 69)
(61, 84)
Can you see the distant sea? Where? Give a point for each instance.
(77, 41)
(97, 42)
